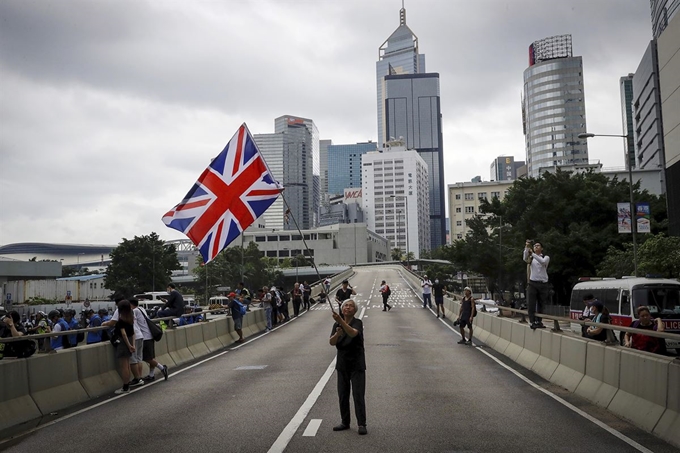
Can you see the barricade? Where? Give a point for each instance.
(16, 404)
(224, 327)
(643, 389)
(601, 380)
(504, 335)
(482, 327)
(177, 346)
(668, 427)
(212, 342)
(53, 381)
(194, 338)
(259, 319)
(532, 347)
(549, 358)
(572, 362)
(231, 330)
(247, 325)
(162, 355)
(97, 370)
(516, 346)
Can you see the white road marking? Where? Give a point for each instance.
(312, 428)
(565, 403)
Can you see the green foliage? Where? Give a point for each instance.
(658, 255)
(236, 264)
(574, 217)
(141, 264)
(396, 254)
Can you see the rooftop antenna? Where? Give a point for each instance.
(402, 14)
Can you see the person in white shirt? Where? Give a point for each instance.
(426, 284)
(538, 289)
(385, 291)
(136, 356)
(148, 349)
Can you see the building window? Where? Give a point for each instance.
(272, 238)
(260, 239)
(481, 195)
(459, 236)
(469, 209)
(284, 238)
(458, 210)
(469, 196)
(495, 194)
(457, 196)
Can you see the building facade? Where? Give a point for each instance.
(504, 168)
(465, 199)
(346, 208)
(323, 169)
(553, 105)
(669, 78)
(273, 149)
(647, 121)
(399, 54)
(413, 113)
(344, 166)
(626, 88)
(663, 12)
(395, 198)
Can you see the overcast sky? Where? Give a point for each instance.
(110, 110)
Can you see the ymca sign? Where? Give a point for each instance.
(352, 196)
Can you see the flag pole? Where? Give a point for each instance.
(290, 213)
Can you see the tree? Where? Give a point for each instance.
(144, 263)
(658, 255)
(396, 254)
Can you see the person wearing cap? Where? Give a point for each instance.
(344, 293)
(426, 284)
(587, 314)
(236, 316)
(466, 315)
(601, 315)
(538, 289)
(93, 320)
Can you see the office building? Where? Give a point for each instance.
(669, 79)
(397, 55)
(345, 208)
(649, 145)
(663, 12)
(504, 168)
(553, 106)
(395, 198)
(344, 165)
(413, 114)
(273, 149)
(626, 87)
(323, 169)
(301, 172)
(465, 199)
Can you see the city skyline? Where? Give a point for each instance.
(111, 113)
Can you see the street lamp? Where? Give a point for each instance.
(408, 261)
(633, 216)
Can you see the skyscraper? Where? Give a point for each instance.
(395, 198)
(397, 55)
(626, 86)
(344, 166)
(272, 147)
(323, 169)
(663, 12)
(504, 168)
(413, 113)
(553, 106)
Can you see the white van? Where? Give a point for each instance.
(623, 296)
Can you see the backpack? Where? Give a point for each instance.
(241, 308)
(388, 292)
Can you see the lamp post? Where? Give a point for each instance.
(408, 261)
(633, 216)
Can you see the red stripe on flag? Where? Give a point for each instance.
(192, 205)
(254, 193)
(239, 151)
(216, 240)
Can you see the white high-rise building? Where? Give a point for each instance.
(272, 149)
(396, 201)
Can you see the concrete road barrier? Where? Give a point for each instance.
(212, 342)
(16, 404)
(516, 345)
(231, 330)
(222, 327)
(177, 346)
(572, 362)
(97, 369)
(668, 427)
(162, 355)
(53, 381)
(601, 380)
(195, 344)
(549, 359)
(532, 347)
(643, 389)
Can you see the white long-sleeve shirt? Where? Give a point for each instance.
(538, 266)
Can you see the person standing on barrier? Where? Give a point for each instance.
(174, 306)
(538, 289)
(439, 290)
(344, 293)
(466, 315)
(426, 284)
(347, 336)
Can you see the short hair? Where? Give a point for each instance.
(642, 308)
(134, 302)
(241, 283)
(348, 300)
(171, 285)
(588, 296)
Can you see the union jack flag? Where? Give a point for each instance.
(235, 189)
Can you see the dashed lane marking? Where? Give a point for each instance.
(312, 428)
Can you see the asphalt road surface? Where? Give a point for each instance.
(277, 392)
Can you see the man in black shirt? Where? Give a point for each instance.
(348, 338)
(174, 306)
(439, 291)
(344, 293)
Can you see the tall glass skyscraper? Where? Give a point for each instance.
(323, 170)
(626, 85)
(413, 111)
(397, 55)
(344, 166)
(553, 106)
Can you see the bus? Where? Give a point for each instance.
(623, 296)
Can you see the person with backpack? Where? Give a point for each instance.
(386, 292)
(236, 315)
(245, 295)
(148, 348)
(11, 327)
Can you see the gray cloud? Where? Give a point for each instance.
(110, 110)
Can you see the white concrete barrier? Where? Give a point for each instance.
(16, 404)
(572, 363)
(668, 427)
(177, 346)
(532, 347)
(53, 381)
(601, 380)
(549, 359)
(210, 338)
(195, 344)
(97, 369)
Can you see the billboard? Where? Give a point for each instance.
(643, 218)
(352, 196)
(623, 217)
